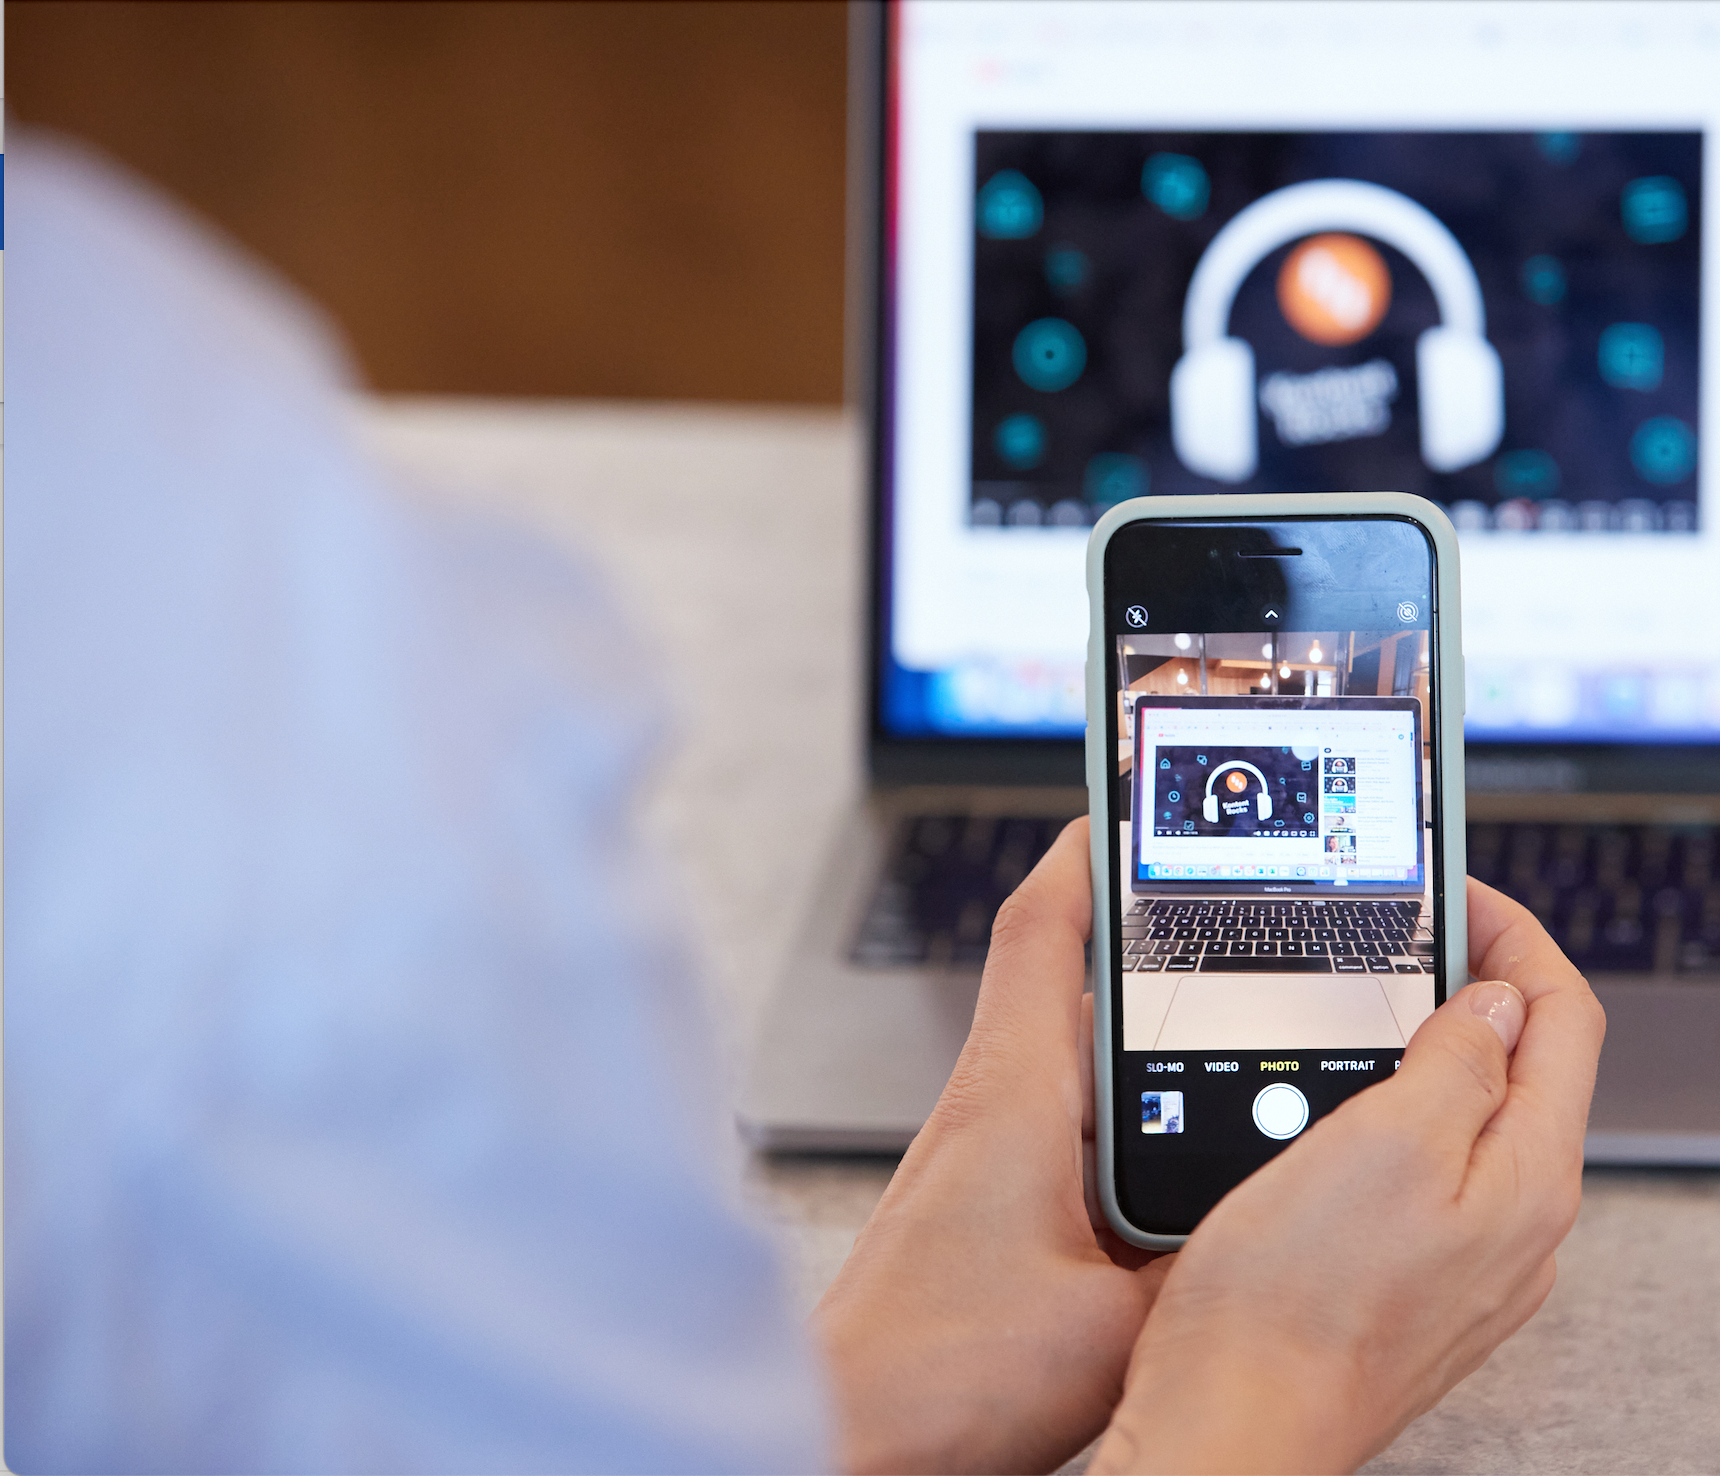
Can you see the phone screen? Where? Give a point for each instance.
(1278, 915)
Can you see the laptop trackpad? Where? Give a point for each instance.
(1302, 1012)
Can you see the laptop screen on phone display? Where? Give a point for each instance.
(1451, 249)
(1278, 794)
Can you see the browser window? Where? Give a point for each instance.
(1323, 794)
(1448, 248)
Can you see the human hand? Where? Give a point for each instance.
(985, 1317)
(1349, 1284)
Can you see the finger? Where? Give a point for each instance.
(1553, 1069)
(1454, 1073)
(1089, 1148)
(1150, 1267)
(1036, 969)
(1020, 1057)
(1061, 883)
(1535, 1143)
(1507, 942)
(1084, 1049)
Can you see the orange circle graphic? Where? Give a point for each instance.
(1236, 780)
(1334, 289)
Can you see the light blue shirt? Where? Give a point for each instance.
(359, 1114)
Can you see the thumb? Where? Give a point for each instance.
(1455, 1068)
(1036, 969)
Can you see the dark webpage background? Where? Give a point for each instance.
(1292, 784)
(1506, 197)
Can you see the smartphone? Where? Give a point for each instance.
(1275, 773)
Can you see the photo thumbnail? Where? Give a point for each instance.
(1161, 1112)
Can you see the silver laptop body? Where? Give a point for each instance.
(1613, 842)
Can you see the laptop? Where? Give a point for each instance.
(1035, 188)
(1276, 847)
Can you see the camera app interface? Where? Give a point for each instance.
(1275, 944)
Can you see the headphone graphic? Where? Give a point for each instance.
(1212, 386)
(1262, 801)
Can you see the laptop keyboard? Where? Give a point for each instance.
(1247, 935)
(1617, 898)
(946, 877)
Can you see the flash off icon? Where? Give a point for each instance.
(1136, 615)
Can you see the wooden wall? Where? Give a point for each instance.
(596, 198)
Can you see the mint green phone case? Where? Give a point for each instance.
(1447, 648)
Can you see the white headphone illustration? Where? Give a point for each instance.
(1262, 801)
(1213, 423)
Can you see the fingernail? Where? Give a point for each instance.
(1502, 1007)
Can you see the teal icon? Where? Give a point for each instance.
(1177, 184)
(1544, 280)
(1066, 269)
(1632, 356)
(1112, 477)
(1020, 440)
(1009, 207)
(1654, 209)
(1559, 148)
(1663, 450)
(1049, 354)
(1532, 474)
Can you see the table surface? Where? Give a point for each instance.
(734, 540)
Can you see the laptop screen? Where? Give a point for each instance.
(1278, 794)
(1452, 249)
